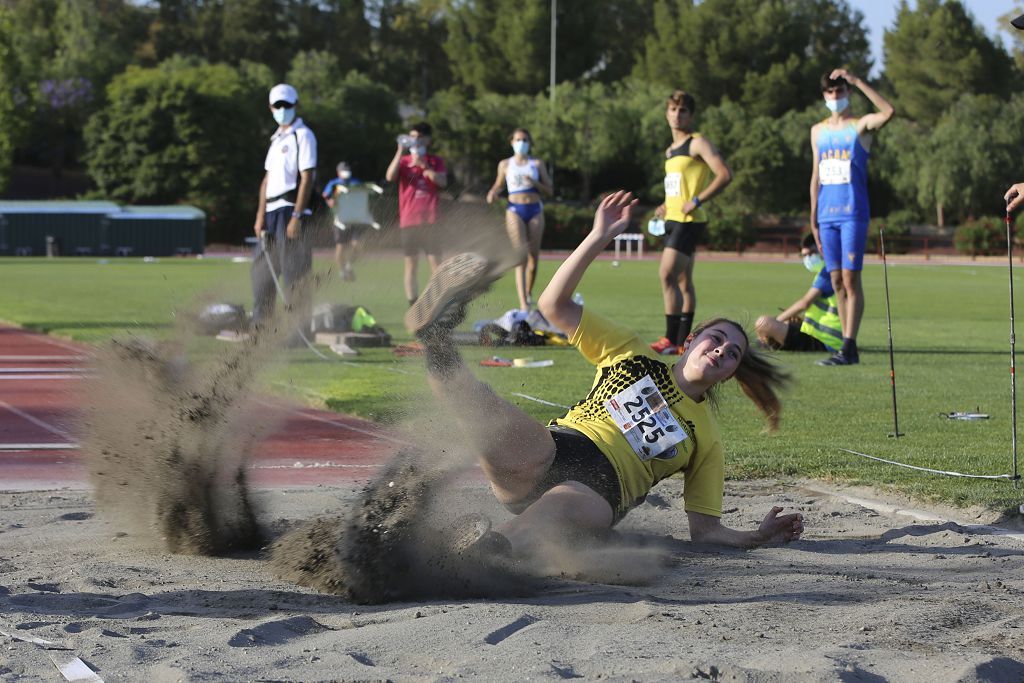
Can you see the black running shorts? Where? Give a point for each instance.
(683, 237)
(800, 341)
(576, 459)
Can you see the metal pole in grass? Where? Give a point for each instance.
(1013, 353)
(888, 322)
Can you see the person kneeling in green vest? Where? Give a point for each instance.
(811, 323)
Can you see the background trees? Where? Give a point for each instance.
(164, 101)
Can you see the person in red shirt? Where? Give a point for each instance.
(421, 177)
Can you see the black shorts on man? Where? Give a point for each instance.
(683, 237)
(423, 237)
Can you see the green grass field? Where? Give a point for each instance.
(950, 327)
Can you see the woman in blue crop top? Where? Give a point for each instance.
(526, 179)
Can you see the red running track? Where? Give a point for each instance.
(38, 444)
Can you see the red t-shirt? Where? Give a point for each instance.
(417, 196)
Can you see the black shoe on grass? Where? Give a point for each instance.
(838, 358)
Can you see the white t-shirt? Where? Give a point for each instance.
(292, 150)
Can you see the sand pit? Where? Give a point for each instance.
(866, 596)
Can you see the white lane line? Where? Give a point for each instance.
(43, 377)
(62, 359)
(37, 446)
(298, 465)
(36, 421)
(351, 428)
(47, 371)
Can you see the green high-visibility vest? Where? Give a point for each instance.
(821, 321)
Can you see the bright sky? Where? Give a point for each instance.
(881, 14)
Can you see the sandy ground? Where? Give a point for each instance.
(868, 595)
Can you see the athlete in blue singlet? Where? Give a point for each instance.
(525, 178)
(839, 197)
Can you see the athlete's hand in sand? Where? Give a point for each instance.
(1014, 197)
(781, 529)
(613, 215)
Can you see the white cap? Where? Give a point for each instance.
(282, 92)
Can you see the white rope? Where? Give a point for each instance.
(540, 400)
(928, 469)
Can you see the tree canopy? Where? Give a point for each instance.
(165, 101)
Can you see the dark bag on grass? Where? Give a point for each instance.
(356, 320)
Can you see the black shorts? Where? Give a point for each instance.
(683, 237)
(351, 233)
(800, 341)
(417, 238)
(576, 459)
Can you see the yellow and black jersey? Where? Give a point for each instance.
(686, 177)
(621, 360)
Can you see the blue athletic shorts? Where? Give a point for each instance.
(526, 211)
(843, 244)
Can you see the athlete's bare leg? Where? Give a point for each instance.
(517, 235)
(841, 300)
(515, 450)
(770, 329)
(563, 513)
(676, 274)
(854, 289)
(535, 231)
(412, 286)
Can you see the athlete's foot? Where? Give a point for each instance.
(838, 358)
(665, 347)
(442, 305)
(471, 537)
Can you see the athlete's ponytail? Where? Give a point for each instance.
(758, 376)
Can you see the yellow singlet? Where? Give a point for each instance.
(685, 177)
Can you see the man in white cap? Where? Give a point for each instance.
(282, 219)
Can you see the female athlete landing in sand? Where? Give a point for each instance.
(642, 421)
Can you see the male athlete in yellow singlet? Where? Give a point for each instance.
(694, 173)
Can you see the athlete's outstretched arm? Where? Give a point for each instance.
(544, 184)
(815, 186)
(773, 529)
(703, 148)
(885, 109)
(800, 305)
(611, 218)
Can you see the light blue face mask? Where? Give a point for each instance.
(520, 146)
(284, 116)
(813, 262)
(839, 105)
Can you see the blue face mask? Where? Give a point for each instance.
(284, 116)
(520, 146)
(813, 262)
(839, 105)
